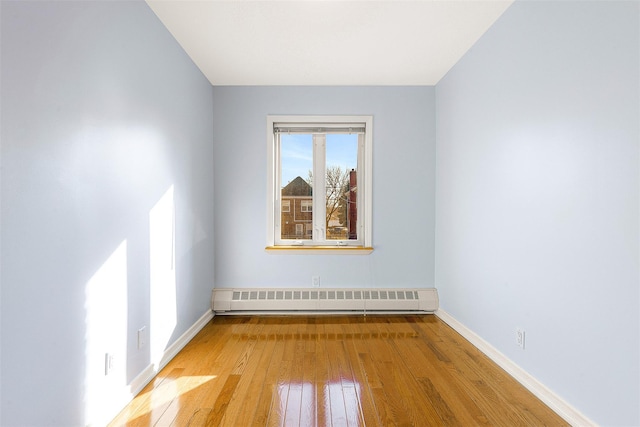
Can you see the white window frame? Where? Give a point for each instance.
(364, 179)
(286, 203)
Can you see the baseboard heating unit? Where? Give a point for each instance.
(327, 301)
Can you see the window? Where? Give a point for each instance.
(319, 176)
(306, 206)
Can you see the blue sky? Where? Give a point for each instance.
(297, 154)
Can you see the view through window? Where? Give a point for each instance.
(340, 166)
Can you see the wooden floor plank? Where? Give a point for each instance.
(333, 370)
(308, 406)
(272, 369)
(323, 403)
(222, 402)
(294, 398)
(389, 401)
(362, 384)
(452, 389)
(335, 380)
(243, 405)
(199, 418)
(232, 348)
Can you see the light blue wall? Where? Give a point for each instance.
(538, 197)
(102, 112)
(403, 187)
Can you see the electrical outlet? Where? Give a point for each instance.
(315, 281)
(108, 363)
(520, 338)
(142, 337)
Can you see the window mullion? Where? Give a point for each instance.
(319, 202)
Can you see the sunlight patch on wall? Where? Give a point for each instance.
(106, 338)
(163, 316)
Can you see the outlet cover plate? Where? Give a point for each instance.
(520, 334)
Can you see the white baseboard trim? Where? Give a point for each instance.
(141, 381)
(184, 339)
(555, 402)
(150, 372)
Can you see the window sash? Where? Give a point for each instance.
(318, 203)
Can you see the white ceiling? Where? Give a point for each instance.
(325, 42)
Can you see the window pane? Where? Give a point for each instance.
(341, 186)
(296, 159)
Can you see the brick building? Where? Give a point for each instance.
(296, 210)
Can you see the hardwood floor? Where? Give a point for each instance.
(340, 371)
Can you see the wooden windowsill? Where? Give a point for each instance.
(320, 250)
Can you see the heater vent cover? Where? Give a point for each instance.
(424, 300)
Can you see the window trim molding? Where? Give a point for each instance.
(319, 250)
(364, 185)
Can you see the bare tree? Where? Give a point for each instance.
(337, 187)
